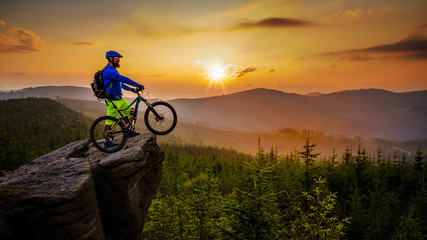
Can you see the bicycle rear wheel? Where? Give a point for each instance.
(116, 135)
(161, 118)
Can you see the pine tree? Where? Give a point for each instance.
(206, 207)
(348, 156)
(418, 167)
(358, 214)
(383, 213)
(308, 157)
(333, 158)
(254, 214)
(409, 228)
(361, 165)
(419, 204)
(380, 157)
(318, 222)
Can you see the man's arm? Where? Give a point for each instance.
(135, 90)
(126, 87)
(115, 76)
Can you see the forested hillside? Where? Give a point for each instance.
(216, 193)
(32, 127)
(52, 92)
(366, 112)
(284, 140)
(213, 193)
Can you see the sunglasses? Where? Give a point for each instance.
(117, 58)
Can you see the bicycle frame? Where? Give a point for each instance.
(137, 100)
(160, 119)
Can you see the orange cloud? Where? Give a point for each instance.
(246, 70)
(414, 47)
(19, 40)
(418, 35)
(275, 22)
(83, 43)
(353, 15)
(160, 26)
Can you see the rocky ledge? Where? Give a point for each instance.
(78, 192)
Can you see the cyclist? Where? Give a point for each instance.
(113, 83)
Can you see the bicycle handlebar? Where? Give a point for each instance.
(140, 92)
(137, 90)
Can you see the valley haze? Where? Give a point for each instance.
(371, 113)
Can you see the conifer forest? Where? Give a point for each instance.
(218, 193)
(212, 193)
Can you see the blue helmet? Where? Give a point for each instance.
(112, 54)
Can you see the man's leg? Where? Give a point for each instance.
(112, 112)
(107, 129)
(125, 104)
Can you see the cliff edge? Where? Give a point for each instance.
(78, 192)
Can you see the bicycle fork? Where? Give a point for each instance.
(158, 117)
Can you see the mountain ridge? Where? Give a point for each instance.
(369, 112)
(55, 91)
(366, 112)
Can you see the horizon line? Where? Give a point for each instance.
(252, 89)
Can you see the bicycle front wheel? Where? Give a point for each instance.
(160, 118)
(116, 135)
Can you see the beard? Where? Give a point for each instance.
(116, 65)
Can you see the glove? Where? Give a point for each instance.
(140, 88)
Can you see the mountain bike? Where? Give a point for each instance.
(159, 117)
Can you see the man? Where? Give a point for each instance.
(113, 83)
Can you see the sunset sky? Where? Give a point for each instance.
(173, 46)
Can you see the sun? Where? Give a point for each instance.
(216, 72)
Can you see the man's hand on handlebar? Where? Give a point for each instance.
(138, 89)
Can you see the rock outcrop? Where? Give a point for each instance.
(78, 192)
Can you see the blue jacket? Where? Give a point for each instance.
(114, 82)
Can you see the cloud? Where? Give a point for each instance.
(414, 47)
(419, 34)
(172, 28)
(84, 43)
(142, 75)
(19, 74)
(360, 57)
(300, 59)
(2, 23)
(353, 15)
(244, 71)
(14, 74)
(154, 21)
(275, 22)
(19, 40)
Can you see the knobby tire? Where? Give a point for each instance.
(160, 126)
(98, 126)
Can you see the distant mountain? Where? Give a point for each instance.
(52, 92)
(366, 112)
(284, 141)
